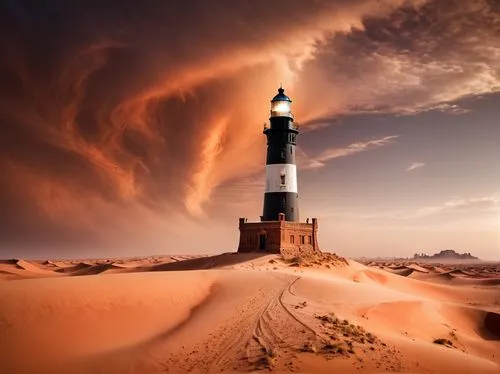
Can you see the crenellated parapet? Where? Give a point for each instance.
(285, 237)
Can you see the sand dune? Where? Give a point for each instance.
(458, 273)
(404, 271)
(98, 269)
(18, 269)
(407, 271)
(235, 313)
(29, 266)
(50, 322)
(72, 268)
(212, 262)
(417, 268)
(459, 280)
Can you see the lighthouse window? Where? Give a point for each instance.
(282, 179)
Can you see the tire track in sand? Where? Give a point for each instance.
(262, 333)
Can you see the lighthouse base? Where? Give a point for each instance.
(284, 237)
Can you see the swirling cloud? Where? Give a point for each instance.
(121, 116)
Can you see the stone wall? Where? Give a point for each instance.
(287, 238)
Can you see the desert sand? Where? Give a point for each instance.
(240, 313)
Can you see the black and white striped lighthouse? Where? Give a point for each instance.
(281, 195)
(279, 229)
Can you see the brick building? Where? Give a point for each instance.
(285, 237)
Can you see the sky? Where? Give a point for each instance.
(135, 128)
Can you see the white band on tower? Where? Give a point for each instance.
(281, 178)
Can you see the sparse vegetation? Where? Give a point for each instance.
(293, 261)
(327, 319)
(301, 305)
(309, 347)
(443, 341)
(264, 362)
(326, 260)
(343, 336)
(267, 359)
(340, 338)
(334, 348)
(270, 352)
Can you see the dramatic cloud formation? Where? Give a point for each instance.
(487, 203)
(307, 162)
(416, 59)
(472, 206)
(120, 121)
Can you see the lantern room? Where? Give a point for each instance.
(281, 105)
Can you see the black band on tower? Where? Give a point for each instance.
(281, 202)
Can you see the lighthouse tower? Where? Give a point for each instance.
(281, 171)
(279, 229)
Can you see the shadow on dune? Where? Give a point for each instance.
(94, 269)
(211, 262)
(491, 326)
(404, 272)
(10, 261)
(72, 269)
(119, 358)
(85, 269)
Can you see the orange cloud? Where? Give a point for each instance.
(153, 110)
(308, 162)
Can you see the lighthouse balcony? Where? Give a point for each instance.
(292, 126)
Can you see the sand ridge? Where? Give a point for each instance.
(238, 313)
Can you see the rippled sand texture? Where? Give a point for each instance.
(238, 313)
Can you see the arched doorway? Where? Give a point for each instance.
(262, 240)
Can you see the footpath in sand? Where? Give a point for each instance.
(244, 313)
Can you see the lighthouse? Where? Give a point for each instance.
(279, 229)
(281, 195)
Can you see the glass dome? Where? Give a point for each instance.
(281, 105)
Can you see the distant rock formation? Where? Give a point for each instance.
(446, 254)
